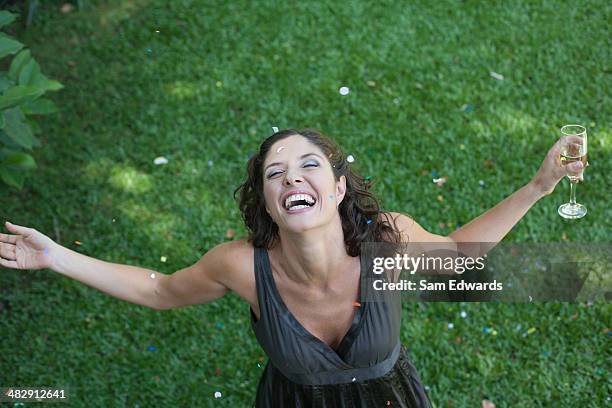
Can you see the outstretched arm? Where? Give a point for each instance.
(494, 225)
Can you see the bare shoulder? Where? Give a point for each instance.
(237, 258)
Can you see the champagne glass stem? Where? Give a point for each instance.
(573, 193)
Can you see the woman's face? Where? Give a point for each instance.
(299, 187)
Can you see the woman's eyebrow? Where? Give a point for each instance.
(301, 157)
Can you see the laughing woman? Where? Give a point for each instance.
(307, 212)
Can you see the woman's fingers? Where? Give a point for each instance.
(18, 229)
(8, 264)
(11, 239)
(7, 251)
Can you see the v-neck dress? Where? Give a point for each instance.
(369, 368)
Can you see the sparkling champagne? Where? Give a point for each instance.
(571, 153)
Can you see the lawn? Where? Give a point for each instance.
(201, 83)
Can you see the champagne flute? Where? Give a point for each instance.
(573, 148)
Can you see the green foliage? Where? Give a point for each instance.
(21, 95)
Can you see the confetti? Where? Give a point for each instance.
(160, 160)
(210, 163)
(369, 221)
(440, 181)
(219, 325)
(463, 314)
(163, 258)
(279, 149)
(518, 327)
(434, 174)
(152, 276)
(229, 233)
(462, 146)
(388, 402)
(481, 182)
(371, 83)
(218, 394)
(356, 304)
(486, 329)
(113, 220)
(157, 31)
(331, 196)
(149, 51)
(151, 348)
(606, 331)
(487, 404)
(78, 243)
(350, 158)
(440, 197)
(367, 178)
(354, 379)
(67, 8)
(467, 108)
(494, 332)
(344, 90)
(219, 84)
(46, 251)
(531, 330)
(497, 76)
(451, 325)
(546, 353)
(396, 101)
(274, 129)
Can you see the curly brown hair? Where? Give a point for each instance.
(359, 210)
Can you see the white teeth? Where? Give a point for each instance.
(299, 207)
(295, 197)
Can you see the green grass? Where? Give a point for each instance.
(217, 78)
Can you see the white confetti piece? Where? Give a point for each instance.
(160, 160)
(497, 76)
(344, 90)
(218, 394)
(274, 129)
(152, 276)
(463, 314)
(350, 158)
(450, 325)
(163, 259)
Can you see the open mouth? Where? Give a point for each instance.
(296, 202)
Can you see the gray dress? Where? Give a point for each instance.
(370, 367)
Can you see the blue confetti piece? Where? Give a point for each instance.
(546, 353)
(468, 108)
(149, 51)
(369, 221)
(46, 251)
(151, 348)
(219, 325)
(486, 329)
(331, 196)
(434, 174)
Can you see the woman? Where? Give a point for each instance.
(307, 212)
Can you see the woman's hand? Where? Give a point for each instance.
(552, 171)
(28, 249)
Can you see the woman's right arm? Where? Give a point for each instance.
(206, 280)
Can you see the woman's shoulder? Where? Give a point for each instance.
(238, 260)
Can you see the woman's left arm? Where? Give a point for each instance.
(494, 225)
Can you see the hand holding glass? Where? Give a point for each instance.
(573, 148)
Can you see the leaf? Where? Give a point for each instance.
(19, 161)
(8, 45)
(20, 94)
(40, 106)
(6, 18)
(29, 72)
(5, 82)
(18, 63)
(19, 131)
(12, 178)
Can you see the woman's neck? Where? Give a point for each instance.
(313, 258)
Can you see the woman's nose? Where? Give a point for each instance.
(292, 178)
